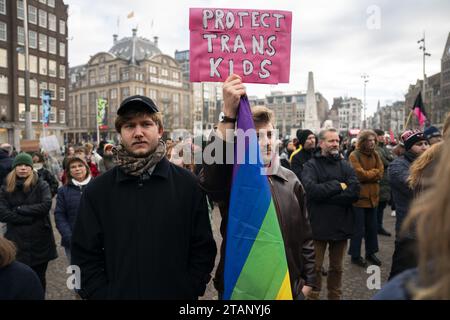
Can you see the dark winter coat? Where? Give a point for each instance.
(19, 282)
(138, 238)
(66, 210)
(330, 207)
(28, 222)
(401, 192)
(5, 165)
(386, 157)
(299, 160)
(48, 177)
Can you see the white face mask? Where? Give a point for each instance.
(38, 166)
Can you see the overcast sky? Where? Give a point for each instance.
(337, 40)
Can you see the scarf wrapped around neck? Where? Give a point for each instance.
(134, 166)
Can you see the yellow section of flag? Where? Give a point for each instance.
(285, 292)
(130, 15)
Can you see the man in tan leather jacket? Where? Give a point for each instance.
(287, 192)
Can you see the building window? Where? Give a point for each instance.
(52, 68)
(51, 3)
(33, 62)
(3, 36)
(42, 66)
(140, 91)
(3, 58)
(32, 14)
(164, 72)
(113, 93)
(52, 89)
(21, 86)
(20, 61)
(62, 49)
(62, 94)
(62, 116)
(34, 112)
(125, 92)
(52, 45)
(102, 75)
(3, 6)
(62, 27)
(62, 71)
(175, 75)
(43, 1)
(125, 75)
(42, 42)
(32, 39)
(3, 84)
(52, 22)
(20, 36)
(153, 70)
(153, 94)
(33, 88)
(92, 77)
(52, 117)
(42, 18)
(20, 14)
(42, 88)
(21, 111)
(112, 73)
(139, 76)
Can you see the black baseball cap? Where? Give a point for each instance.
(137, 102)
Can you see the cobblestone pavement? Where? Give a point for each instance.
(354, 278)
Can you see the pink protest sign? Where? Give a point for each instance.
(253, 43)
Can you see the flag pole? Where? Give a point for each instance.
(98, 128)
(409, 118)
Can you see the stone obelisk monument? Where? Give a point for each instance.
(312, 121)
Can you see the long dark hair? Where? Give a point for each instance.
(7, 252)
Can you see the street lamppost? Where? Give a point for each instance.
(425, 54)
(365, 78)
(28, 126)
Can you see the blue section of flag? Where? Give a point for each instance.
(250, 198)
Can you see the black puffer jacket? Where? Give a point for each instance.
(48, 177)
(28, 222)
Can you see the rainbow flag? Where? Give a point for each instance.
(255, 257)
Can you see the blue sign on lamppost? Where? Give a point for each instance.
(46, 107)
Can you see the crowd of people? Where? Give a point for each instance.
(136, 216)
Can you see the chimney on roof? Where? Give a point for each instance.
(155, 41)
(115, 38)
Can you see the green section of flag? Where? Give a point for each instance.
(265, 269)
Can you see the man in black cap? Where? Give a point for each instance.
(143, 230)
(307, 140)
